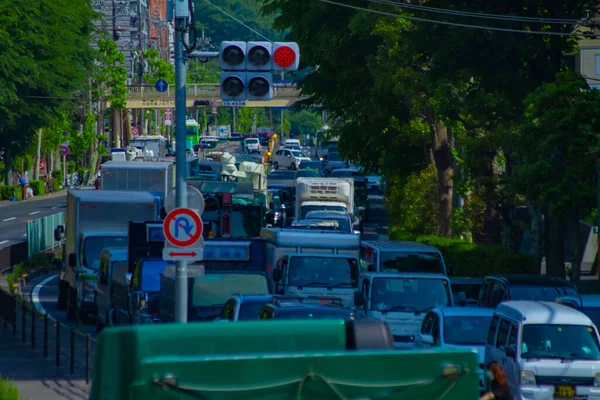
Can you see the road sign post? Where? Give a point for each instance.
(64, 150)
(183, 233)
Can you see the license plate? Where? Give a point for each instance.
(565, 391)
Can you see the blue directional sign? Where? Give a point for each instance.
(64, 133)
(161, 85)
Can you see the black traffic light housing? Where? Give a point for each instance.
(201, 103)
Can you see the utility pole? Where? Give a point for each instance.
(181, 20)
(141, 64)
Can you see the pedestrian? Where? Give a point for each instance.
(23, 184)
(500, 389)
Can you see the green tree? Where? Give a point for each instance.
(46, 51)
(305, 122)
(556, 147)
(158, 68)
(110, 77)
(244, 119)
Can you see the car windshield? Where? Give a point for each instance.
(409, 294)
(404, 261)
(592, 313)
(252, 141)
(306, 209)
(471, 290)
(323, 271)
(343, 222)
(249, 310)
(568, 342)
(462, 330)
(541, 293)
(93, 246)
(315, 313)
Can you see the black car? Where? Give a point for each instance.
(289, 307)
(497, 289)
(312, 164)
(236, 136)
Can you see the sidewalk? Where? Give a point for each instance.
(37, 378)
(6, 203)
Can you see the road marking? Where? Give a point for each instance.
(35, 294)
(9, 219)
(4, 241)
(33, 213)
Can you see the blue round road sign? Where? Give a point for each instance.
(161, 85)
(64, 150)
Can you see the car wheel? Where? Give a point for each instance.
(275, 165)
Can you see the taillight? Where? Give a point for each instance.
(154, 313)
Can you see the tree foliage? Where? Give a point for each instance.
(46, 49)
(110, 78)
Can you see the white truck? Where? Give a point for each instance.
(323, 252)
(94, 220)
(221, 131)
(151, 145)
(141, 176)
(315, 194)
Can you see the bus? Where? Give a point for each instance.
(192, 134)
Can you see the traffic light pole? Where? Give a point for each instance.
(181, 289)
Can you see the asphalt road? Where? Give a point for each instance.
(14, 215)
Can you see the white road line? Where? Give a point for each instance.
(55, 207)
(4, 241)
(33, 213)
(35, 294)
(9, 219)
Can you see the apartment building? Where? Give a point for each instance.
(587, 61)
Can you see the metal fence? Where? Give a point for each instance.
(40, 233)
(71, 349)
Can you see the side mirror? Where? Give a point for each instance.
(358, 299)
(128, 277)
(271, 205)
(511, 352)
(55, 261)
(289, 156)
(59, 233)
(163, 213)
(427, 339)
(449, 269)
(371, 268)
(72, 260)
(356, 232)
(277, 274)
(461, 298)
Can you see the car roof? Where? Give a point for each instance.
(404, 275)
(466, 311)
(542, 312)
(253, 298)
(590, 300)
(394, 245)
(466, 280)
(531, 280)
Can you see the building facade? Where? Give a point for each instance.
(587, 61)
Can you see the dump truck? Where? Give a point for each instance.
(94, 220)
(274, 360)
(140, 176)
(324, 194)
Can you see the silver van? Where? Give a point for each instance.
(547, 350)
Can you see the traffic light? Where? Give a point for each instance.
(233, 86)
(259, 86)
(259, 56)
(286, 56)
(201, 103)
(232, 56)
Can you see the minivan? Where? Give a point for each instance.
(547, 350)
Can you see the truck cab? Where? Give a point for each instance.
(402, 300)
(324, 275)
(112, 260)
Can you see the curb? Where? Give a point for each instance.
(7, 203)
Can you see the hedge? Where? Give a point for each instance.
(470, 259)
(8, 192)
(38, 187)
(8, 390)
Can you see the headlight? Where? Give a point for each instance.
(527, 378)
(597, 379)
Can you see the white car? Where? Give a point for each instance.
(251, 145)
(289, 159)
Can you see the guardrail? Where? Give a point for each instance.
(40, 233)
(67, 346)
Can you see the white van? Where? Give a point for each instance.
(547, 350)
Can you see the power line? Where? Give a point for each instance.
(560, 21)
(489, 28)
(238, 21)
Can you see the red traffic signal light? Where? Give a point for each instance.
(284, 56)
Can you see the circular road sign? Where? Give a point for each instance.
(135, 131)
(183, 227)
(64, 150)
